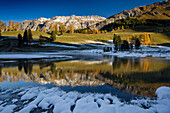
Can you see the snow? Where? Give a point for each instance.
(29, 56)
(14, 100)
(64, 46)
(8, 109)
(163, 92)
(74, 102)
(145, 51)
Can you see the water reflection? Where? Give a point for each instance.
(139, 76)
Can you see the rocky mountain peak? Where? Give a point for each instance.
(79, 22)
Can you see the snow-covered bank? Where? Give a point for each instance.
(144, 51)
(30, 55)
(58, 101)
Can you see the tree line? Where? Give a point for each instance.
(129, 43)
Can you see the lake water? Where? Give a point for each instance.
(126, 78)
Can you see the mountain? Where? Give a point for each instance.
(157, 11)
(79, 22)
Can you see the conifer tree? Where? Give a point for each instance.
(25, 37)
(64, 28)
(44, 29)
(137, 43)
(1, 23)
(19, 40)
(147, 39)
(30, 39)
(13, 26)
(53, 36)
(71, 29)
(56, 29)
(10, 26)
(123, 28)
(38, 28)
(51, 28)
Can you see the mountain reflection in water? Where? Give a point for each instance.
(138, 76)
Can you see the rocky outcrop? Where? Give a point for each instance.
(79, 22)
(158, 10)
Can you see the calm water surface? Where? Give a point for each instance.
(125, 77)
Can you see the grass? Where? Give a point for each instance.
(157, 38)
(36, 34)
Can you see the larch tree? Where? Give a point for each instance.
(10, 26)
(13, 25)
(1, 23)
(123, 28)
(56, 29)
(44, 29)
(147, 40)
(38, 28)
(71, 29)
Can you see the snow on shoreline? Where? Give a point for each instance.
(73, 102)
(30, 55)
(145, 51)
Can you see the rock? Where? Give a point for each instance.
(79, 22)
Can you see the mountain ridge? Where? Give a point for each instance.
(79, 22)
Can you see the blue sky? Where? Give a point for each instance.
(20, 10)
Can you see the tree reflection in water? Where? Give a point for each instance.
(134, 75)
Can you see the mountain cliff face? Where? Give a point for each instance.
(79, 22)
(158, 10)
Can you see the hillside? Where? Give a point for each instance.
(157, 11)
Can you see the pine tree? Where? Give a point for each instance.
(30, 39)
(19, 40)
(38, 28)
(41, 40)
(64, 28)
(51, 28)
(25, 37)
(137, 43)
(53, 36)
